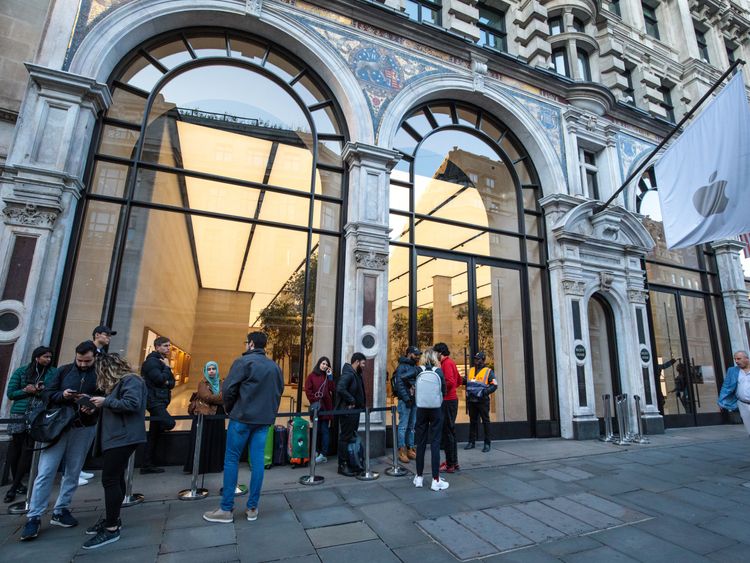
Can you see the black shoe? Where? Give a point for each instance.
(31, 528)
(469, 446)
(21, 490)
(346, 471)
(10, 496)
(148, 470)
(99, 526)
(487, 447)
(64, 519)
(102, 538)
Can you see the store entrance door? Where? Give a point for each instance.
(476, 304)
(686, 358)
(604, 356)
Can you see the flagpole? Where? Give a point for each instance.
(671, 134)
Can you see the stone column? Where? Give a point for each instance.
(365, 297)
(39, 189)
(734, 293)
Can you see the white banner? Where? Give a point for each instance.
(703, 177)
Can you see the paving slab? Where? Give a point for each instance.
(440, 503)
(462, 543)
(524, 555)
(356, 495)
(395, 523)
(598, 555)
(374, 551)
(319, 517)
(314, 498)
(567, 546)
(131, 555)
(208, 535)
(593, 518)
(737, 553)
(690, 537)
(216, 554)
(609, 507)
(669, 506)
(497, 534)
(340, 535)
(524, 524)
(554, 518)
(643, 546)
(424, 553)
(273, 542)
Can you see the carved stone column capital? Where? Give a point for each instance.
(637, 296)
(575, 288)
(29, 215)
(370, 259)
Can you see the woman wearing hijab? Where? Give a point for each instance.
(26, 383)
(122, 427)
(319, 389)
(208, 402)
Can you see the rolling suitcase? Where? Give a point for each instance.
(299, 441)
(279, 445)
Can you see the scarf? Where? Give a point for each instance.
(214, 381)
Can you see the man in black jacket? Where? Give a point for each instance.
(71, 381)
(251, 393)
(350, 394)
(157, 373)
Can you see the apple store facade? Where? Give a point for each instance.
(204, 170)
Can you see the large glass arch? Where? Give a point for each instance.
(467, 257)
(213, 206)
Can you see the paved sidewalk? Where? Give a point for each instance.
(685, 498)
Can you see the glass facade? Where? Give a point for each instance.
(213, 208)
(467, 260)
(686, 315)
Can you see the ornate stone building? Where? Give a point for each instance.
(362, 175)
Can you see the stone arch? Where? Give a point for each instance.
(494, 100)
(130, 25)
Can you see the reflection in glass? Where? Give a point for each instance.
(701, 377)
(92, 270)
(127, 106)
(109, 179)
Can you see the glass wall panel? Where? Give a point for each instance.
(109, 179)
(671, 375)
(127, 106)
(701, 380)
(118, 141)
(91, 272)
(542, 375)
(171, 54)
(398, 307)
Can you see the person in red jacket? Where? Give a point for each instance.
(319, 388)
(450, 407)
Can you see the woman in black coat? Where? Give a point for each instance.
(122, 427)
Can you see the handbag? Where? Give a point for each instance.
(315, 405)
(193, 403)
(47, 423)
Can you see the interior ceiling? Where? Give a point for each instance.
(238, 256)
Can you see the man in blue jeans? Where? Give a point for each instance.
(404, 379)
(252, 393)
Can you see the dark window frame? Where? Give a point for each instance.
(432, 6)
(650, 20)
(498, 32)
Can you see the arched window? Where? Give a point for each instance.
(467, 261)
(213, 206)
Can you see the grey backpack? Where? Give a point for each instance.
(429, 392)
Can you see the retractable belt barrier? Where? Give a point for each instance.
(131, 498)
(22, 507)
(608, 434)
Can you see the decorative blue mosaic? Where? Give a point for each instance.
(629, 150)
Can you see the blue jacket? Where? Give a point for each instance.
(728, 394)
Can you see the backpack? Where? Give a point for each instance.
(429, 392)
(355, 454)
(394, 391)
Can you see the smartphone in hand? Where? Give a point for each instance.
(85, 401)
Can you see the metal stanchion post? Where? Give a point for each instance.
(395, 470)
(131, 498)
(313, 479)
(608, 433)
(639, 438)
(194, 493)
(628, 424)
(621, 422)
(367, 475)
(22, 507)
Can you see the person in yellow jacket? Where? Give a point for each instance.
(480, 384)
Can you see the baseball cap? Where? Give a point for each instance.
(105, 329)
(413, 350)
(480, 356)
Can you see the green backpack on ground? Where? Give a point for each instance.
(298, 446)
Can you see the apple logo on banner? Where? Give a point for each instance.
(710, 199)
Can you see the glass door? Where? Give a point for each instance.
(685, 366)
(477, 305)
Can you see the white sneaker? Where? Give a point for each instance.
(82, 481)
(86, 475)
(439, 484)
(320, 458)
(418, 481)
